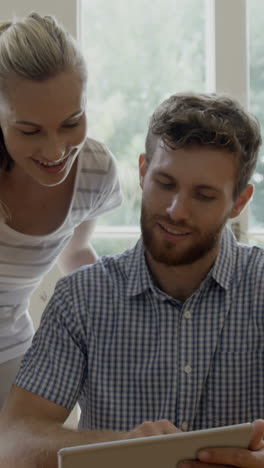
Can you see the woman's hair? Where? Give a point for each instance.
(210, 120)
(38, 47)
(35, 48)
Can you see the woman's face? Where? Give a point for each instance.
(44, 125)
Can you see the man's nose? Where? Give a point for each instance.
(178, 208)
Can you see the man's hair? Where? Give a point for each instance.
(36, 48)
(210, 120)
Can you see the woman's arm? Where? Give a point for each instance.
(79, 251)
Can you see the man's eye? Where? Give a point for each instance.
(167, 185)
(203, 197)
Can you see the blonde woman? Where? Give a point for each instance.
(54, 181)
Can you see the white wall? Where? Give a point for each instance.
(66, 11)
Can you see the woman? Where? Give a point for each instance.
(54, 181)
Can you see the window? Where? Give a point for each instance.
(138, 53)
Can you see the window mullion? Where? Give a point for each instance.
(227, 64)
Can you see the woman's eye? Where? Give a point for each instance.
(34, 132)
(71, 125)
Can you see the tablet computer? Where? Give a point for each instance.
(163, 451)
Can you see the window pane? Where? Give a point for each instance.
(106, 246)
(138, 52)
(256, 24)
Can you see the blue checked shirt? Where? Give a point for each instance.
(128, 352)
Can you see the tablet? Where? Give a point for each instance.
(164, 451)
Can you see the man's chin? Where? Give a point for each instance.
(165, 256)
(170, 258)
(172, 261)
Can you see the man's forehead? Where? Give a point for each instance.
(200, 166)
(164, 152)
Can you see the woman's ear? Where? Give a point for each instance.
(241, 201)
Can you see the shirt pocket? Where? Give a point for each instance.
(234, 388)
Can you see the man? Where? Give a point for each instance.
(170, 331)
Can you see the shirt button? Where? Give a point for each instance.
(187, 369)
(187, 314)
(184, 426)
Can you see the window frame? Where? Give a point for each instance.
(227, 65)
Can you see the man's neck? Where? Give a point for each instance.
(181, 281)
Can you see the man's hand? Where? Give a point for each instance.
(233, 457)
(151, 428)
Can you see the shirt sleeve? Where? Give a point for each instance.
(98, 188)
(55, 366)
(110, 196)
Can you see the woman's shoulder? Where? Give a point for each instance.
(96, 156)
(97, 181)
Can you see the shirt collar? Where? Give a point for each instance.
(224, 265)
(138, 275)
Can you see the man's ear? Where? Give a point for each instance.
(142, 165)
(241, 201)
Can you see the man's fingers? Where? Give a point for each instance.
(256, 442)
(197, 464)
(152, 428)
(166, 427)
(235, 457)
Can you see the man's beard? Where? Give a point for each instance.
(168, 253)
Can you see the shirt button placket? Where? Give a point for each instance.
(187, 369)
(187, 314)
(184, 426)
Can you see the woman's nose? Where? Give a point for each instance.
(54, 149)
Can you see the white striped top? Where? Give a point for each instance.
(25, 259)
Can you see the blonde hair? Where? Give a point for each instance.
(38, 47)
(35, 48)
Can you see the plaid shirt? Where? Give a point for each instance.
(128, 352)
